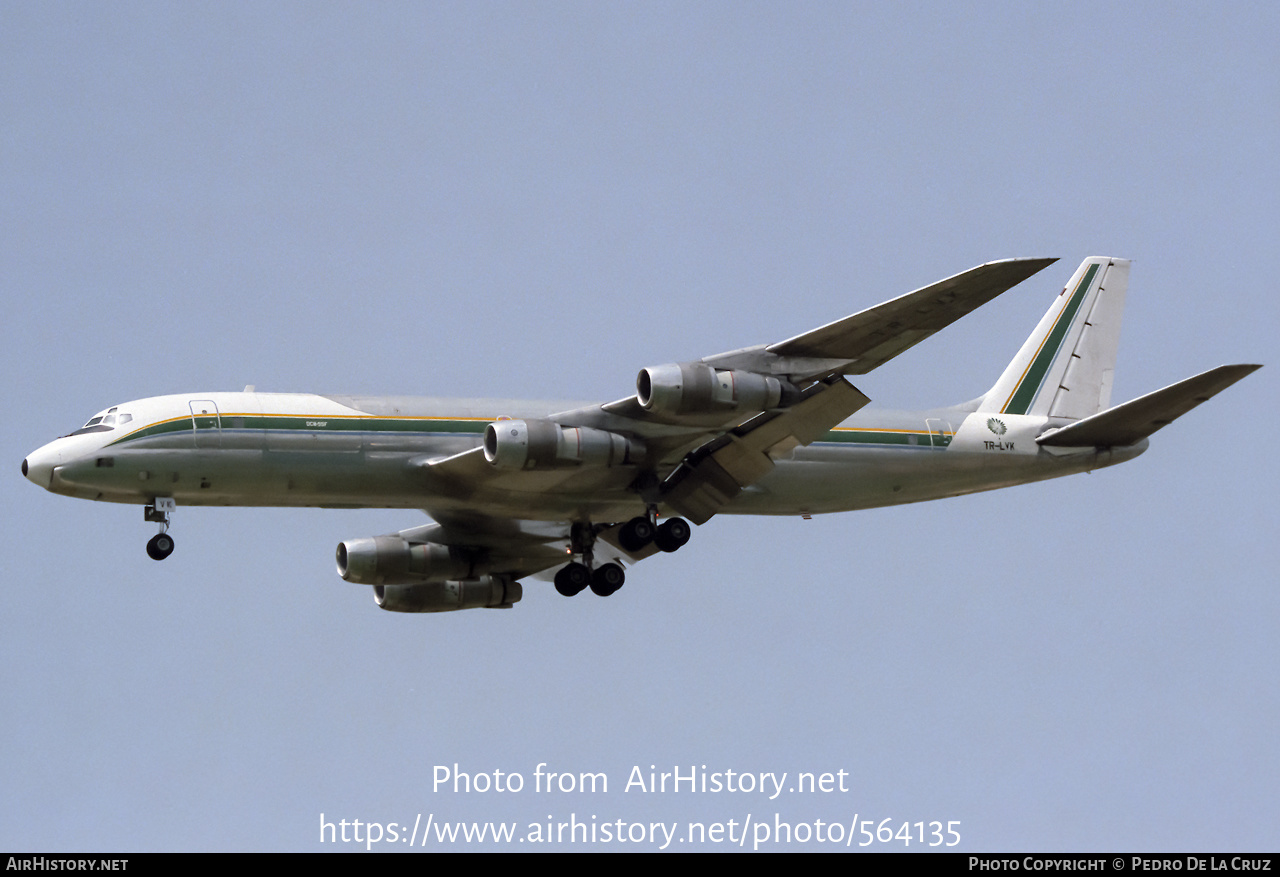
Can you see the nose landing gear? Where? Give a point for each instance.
(160, 545)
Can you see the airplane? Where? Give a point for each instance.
(575, 492)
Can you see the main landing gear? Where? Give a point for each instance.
(160, 545)
(668, 536)
(575, 577)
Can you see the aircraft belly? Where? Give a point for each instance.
(824, 480)
(592, 493)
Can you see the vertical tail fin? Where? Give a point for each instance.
(1065, 368)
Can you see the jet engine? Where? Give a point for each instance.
(541, 444)
(696, 388)
(486, 592)
(390, 560)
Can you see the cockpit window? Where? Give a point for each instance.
(104, 422)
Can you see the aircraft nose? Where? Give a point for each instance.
(38, 467)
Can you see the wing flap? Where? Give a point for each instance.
(713, 474)
(1133, 421)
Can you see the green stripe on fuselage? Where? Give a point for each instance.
(901, 438)
(315, 423)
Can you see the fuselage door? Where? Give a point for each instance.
(206, 423)
(940, 432)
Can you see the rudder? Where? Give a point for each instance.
(1065, 368)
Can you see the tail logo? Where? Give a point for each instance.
(997, 426)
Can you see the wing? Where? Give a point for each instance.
(868, 339)
(710, 476)
(693, 437)
(475, 546)
(505, 546)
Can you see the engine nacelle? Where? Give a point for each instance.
(486, 592)
(390, 560)
(697, 388)
(541, 444)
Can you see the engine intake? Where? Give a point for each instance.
(541, 444)
(696, 388)
(486, 592)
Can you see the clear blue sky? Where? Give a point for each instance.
(537, 200)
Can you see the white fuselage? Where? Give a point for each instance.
(264, 449)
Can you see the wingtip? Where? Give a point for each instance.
(1044, 261)
(1240, 368)
(1025, 266)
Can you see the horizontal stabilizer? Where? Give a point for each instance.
(1133, 421)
